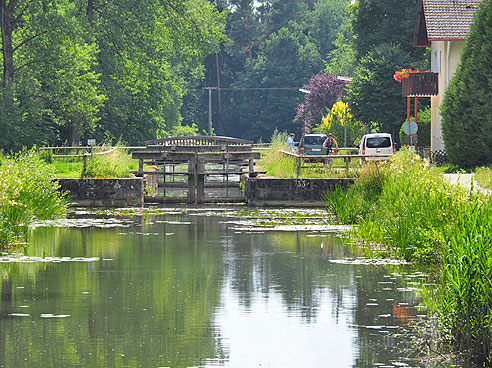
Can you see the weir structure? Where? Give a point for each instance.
(196, 169)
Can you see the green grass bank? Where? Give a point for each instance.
(409, 211)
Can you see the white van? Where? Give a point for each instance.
(376, 144)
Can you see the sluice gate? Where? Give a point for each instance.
(196, 169)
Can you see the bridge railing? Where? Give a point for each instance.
(198, 141)
(328, 159)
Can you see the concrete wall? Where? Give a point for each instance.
(104, 192)
(291, 192)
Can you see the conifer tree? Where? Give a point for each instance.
(467, 109)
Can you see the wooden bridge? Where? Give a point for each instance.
(197, 160)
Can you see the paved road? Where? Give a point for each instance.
(465, 181)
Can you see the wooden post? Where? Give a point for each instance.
(140, 165)
(163, 181)
(298, 166)
(200, 181)
(408, 108)
(191, 180)
(347, 162)
(85, 165)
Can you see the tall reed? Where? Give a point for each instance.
(464, 298)
(27, 193)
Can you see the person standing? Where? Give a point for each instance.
(290, 142)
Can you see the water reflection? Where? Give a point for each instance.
(188, 291)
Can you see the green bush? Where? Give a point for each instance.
(27, 193)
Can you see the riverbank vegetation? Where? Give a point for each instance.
(408, 209)
(27, 193)
(107, 161)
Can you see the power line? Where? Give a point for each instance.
(253, 89)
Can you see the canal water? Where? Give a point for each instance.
(188, 288)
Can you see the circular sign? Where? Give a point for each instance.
(410, 127)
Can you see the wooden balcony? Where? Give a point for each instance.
(420, 85)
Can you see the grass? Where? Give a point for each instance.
(464, 296)
(27, 193)
(105, 163)
(110, 162)
(483, 177)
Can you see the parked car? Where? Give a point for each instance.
(312, 144)
(376, 144)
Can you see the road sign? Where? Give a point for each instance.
(410, 127)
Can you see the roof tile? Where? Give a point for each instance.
(449, 19)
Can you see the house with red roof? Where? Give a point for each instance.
(443, 25)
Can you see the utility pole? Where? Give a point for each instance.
(209, 108)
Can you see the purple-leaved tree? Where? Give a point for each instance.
(322, 91)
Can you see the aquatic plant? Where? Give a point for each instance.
(419, 216)
(27, 193)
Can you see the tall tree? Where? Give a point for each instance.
(385, 21)
(466, 110)
(383, 43)
(373, 94)
(272, 81)
(282, 12)
(326, 21)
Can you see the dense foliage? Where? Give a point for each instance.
(74, 69)
(466, 110)
(383, 43)
(323, 91)
(403, 203)
(277, 46)
(342, 124)
(27, 193)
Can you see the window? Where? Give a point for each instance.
(378, 142)
(314, 139)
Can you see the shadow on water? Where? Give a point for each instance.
(176, 290)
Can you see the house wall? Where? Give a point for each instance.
(445, 57)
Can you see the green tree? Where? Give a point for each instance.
(326, 21)
(48, 77)
(466, 110)
(384, 21)
(284, 62)
(341, 60)
(373, 94)
(151, 52)
(281, 13)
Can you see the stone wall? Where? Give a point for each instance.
(104, 192)
(291, 192)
